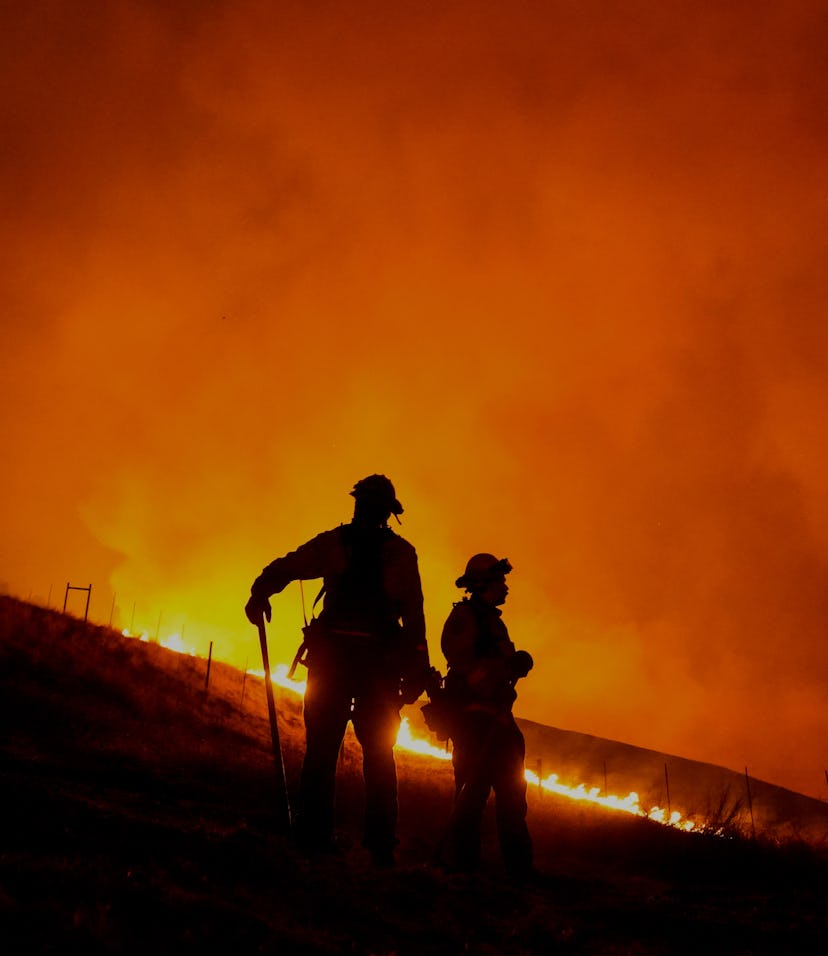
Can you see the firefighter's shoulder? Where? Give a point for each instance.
(461, 616)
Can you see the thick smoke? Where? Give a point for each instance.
(557, 270)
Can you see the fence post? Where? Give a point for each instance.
(540, 777)
(244, 683)
(667, 784)
(209, 661)
(750, 804)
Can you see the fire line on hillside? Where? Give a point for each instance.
(408, 742)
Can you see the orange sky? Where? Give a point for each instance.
(557, 268)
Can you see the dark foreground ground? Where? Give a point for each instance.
(138, 820)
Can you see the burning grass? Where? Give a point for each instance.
(139, 817)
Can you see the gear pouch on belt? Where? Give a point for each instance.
(440, 715)
(313, 636)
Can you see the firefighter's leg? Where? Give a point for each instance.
(510, 796)
(472, 772)
(376, 723)
(326, 712)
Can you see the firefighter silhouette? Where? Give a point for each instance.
(489, 749)
(366, 655)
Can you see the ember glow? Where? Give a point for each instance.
(557, 268)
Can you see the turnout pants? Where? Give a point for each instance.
(489, 754)
(340, 689)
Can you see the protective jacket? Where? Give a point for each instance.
(371, 586)
(479, 654)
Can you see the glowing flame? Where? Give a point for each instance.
(173, 642)
(143, 636)
(629, 804)
(176, 643)
(279, 676)
(407, 741)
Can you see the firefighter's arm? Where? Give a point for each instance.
(415, 671)
(316, 558)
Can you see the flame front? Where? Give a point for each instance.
(407, 741)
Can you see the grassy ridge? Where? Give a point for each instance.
(139, 817)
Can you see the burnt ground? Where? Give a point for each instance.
(139, 818)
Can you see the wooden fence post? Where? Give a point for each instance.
(209, 661)
(244, 683)
(750, 804)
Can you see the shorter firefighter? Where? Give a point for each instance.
(489, 749)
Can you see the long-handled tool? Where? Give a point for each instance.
(283, 815)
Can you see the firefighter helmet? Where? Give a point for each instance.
(379, 490)
(481, 569)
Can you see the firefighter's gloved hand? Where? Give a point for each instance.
(257, 610)
(520, 664)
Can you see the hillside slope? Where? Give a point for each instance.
(139, 818)
(697, 789)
